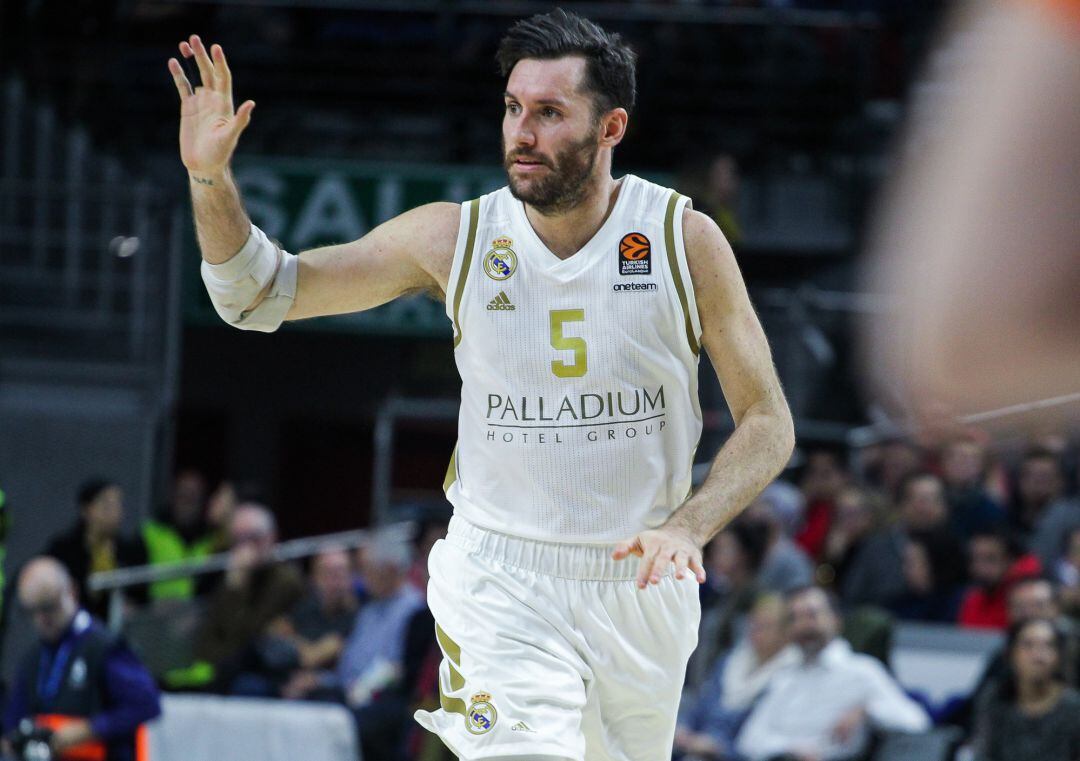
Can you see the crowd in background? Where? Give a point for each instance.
(803, 591)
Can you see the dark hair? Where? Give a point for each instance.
(753, 540)
(609, 62)
(999, 533)
(91, 489)
(830, 597)
(1009, 687)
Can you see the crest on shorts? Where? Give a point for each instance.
(501, 261)
(481, 716)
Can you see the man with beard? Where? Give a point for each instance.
(579, 304)
(822, 707)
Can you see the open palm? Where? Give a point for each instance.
(209, 128)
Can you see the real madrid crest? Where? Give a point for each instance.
(501, 261)
(481, 716)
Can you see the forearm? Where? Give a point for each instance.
(221, 223)
(750, 459)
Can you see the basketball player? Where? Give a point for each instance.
(579, 304)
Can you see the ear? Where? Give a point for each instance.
(613, 127)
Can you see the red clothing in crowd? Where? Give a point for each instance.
(816, 524)
(987, 608)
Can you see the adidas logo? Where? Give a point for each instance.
(521, 727)
(501, 303)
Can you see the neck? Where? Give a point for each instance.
(1036, 690)
(566, 232)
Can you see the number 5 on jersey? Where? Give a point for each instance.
(568, 343)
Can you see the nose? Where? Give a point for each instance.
(521, 132)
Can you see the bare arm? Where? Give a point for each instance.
(978, 241)
(764, 434)
(411, 252)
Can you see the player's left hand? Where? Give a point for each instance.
(659, 547)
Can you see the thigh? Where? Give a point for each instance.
(510, 684)
(638, 643)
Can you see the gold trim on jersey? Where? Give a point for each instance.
(466, 264)
(451, 471)
(676, 273)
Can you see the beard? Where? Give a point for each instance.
(564, 184)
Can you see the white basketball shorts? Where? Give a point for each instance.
(550, 650)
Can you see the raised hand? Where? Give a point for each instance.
(209, 127)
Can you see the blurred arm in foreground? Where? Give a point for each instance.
(979, 240)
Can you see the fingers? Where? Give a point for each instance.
(648, 573)
(697, 568)
(243, 115)
(180, 79)
(682, 560)
(221, 70)
(626, 549)
(194, 47)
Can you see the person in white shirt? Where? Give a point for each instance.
(821, 708)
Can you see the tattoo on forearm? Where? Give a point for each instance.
(203, 180)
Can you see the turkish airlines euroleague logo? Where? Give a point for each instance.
(635, 255)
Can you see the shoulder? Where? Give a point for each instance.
(713, 269)
(433, 221)
(702, 236)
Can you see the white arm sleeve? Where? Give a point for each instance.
(235, 283)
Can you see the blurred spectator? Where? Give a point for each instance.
(1059, 516)
(785, 566)
(1029, 599)
(95, 543)
(877, 574)
(1034, 715)
(995, 563)
(371, 670)
(320, 623)
(79, 671)
(721, 196)
(733, 558)
(823, 477)
(856, 518)
(933, 591)
(889, 464)
(179, 534)
(710, 720)
(821, 708)
(1035, 514)
(254, 593)
(220, 506)
(971, 509)
(1068, 573)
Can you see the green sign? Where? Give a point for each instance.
(306, 203)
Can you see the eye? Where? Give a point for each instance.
(513, 108)
(549, 112)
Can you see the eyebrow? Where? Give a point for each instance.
(541, 101)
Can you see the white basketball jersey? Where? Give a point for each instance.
(579, 403)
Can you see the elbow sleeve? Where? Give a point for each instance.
(234, 284)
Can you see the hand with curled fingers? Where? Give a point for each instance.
(660, 547)
(209, 127)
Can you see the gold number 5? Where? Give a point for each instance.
(571, 343)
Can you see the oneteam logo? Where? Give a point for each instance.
(501, 303)
(621, 287)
